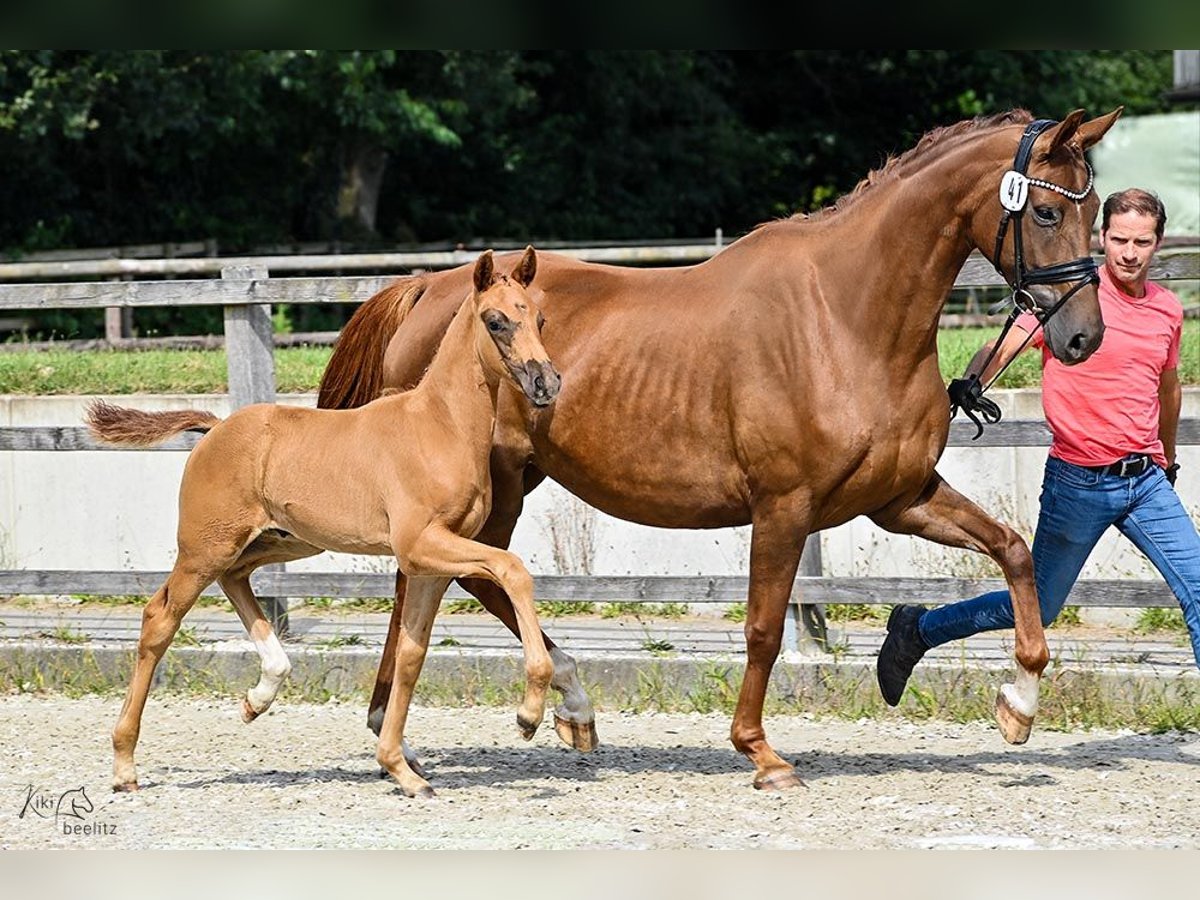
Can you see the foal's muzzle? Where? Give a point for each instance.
(540, 382)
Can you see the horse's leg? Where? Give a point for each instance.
(383, 678)
(416, 624)
(275, 665)
(943, 515)
(574, 718)
(160, 622)
(438, 550)
(776, 541)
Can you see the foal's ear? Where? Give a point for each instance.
(1089, 133)
(526, 268)
(485, 271)
(1062, 132)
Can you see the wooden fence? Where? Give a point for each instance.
(246, 292)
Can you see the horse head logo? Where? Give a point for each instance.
(74, 803)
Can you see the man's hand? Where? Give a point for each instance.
(1171, 471)
(967, 394)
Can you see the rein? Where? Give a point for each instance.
(967, 393)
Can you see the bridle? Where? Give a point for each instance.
(1014, 195)
(967, 394)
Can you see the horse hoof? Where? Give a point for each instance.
(1014, 724)
(125, 787)
(779, 780)
(527, 727)
(579, 735)
(248, 712)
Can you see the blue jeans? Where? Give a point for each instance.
(1077, 505)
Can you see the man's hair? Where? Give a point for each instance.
(1135, 200)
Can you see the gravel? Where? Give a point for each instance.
(304, 776)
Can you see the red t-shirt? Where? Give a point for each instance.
(1106, 407)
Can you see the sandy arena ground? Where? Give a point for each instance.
(305, 776)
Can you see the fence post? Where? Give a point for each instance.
(804, 628)
(250, 362)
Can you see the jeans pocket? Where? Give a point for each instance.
(1072, 475)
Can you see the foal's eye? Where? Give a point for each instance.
(1046, 215)
(495, 326)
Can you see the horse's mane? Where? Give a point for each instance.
(933, 138)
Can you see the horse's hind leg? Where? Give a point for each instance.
(160, 622)
(943, 515)
(275, 665)
(424, 595)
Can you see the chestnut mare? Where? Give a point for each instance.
(407, 475)
(790, 382)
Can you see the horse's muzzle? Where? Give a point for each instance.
(540, 382)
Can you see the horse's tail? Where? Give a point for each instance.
(133, 428)
(354, 375)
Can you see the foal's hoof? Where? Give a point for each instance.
(125, 787)
(779, 780)
(579, 735)
(248, 712)
(422, 793)
(1014, 724)
(527, 727)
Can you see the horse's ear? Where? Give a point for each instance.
(1089, 133)
(1063, 132)
(526, 268)
(485, 271)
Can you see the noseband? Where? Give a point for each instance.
(967, 393)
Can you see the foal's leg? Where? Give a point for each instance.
(274, 663)
(160, 621)
(416, 624)
(943, 515)
(437, 550)
(574, 717)
(776, 541)
(275, 666)
(383, 679)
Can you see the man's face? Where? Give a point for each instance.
(1129, 244)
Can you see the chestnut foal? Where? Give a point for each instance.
(406, 475)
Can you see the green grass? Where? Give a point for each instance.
(632, 608)
(298, 369)
(956, 346)
(1160, 619)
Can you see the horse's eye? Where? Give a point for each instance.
(1046, 215)
(495, 326)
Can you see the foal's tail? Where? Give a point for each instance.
(133, 428)
(354, 375)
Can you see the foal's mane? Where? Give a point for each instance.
(931, 140)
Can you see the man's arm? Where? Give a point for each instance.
(1011, 346)
(1170, 401)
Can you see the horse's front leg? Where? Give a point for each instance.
(424, 595)
(776, 541)
(574, 717)
(943, 515)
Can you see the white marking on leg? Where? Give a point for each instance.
(275, 668)
(1023, 696)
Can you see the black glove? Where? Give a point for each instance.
(1171, 471)
(967, 394)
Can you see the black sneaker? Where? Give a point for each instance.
(902, 649)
